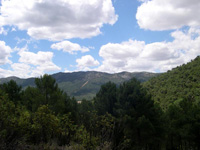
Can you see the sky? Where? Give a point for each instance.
(50, 36)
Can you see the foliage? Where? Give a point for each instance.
(180, 83)
(141, 121)
(106, 99)
(67, 129)
(120, 117)
(45, 124)
(12, 90)
(72, 83)
(50, 94)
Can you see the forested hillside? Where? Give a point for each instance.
(120, 117)
(84, 85)
(180, 83)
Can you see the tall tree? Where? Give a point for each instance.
(141, 123)
(45, 125)
(50, 93)
(106, 98)
(12, 90)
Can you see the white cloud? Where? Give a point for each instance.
(123, 50)
(44, 68)
(5, 73)
(13, 29)
(69, 47)
(41, 60)
(30, 64)
(158, 56)
(4, 53)
(58, 19)
(3, 31)
(168, 14)
(117, 56)
(159, 51)
(86, 61)
(67, 71)
(20, 70)
(35, 58)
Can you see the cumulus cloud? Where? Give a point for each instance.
(86, 61)
(4, 53)
(42, 61)
(69, 47)
(168, 14)
(30, 64)
(35, 58)
(123, 50)
(59, 19)
(159, 51)
(118, 56)
(158, 56)
(21, 70)
(5, 73)
(18, 69)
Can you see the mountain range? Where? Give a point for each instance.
(180, 83)
(84, 85)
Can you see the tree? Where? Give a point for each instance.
(45, 125)
(183, 125)
(50, 94)
(67, 129)
(85, 110)
(14, 123)
(141, 119)
(13, 90)
(7, 111)
(106, 125)
(106, 98)
(31, 98)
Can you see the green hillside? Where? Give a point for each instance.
(119, 116)
(84, 84)
(22, 82)
(180, 83)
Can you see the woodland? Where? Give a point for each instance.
(160, 114)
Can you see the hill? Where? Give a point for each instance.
(180, 83)
(84, 84)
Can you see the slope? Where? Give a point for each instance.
(180, 83)
(85, 84)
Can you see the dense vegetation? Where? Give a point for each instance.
(120, 117)
(84, 85)
(182, 82)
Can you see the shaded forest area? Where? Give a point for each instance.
(119, 117)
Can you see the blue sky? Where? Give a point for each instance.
(45, 36)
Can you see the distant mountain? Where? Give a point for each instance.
(84, 84)
(23, 82)
(180, 83)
